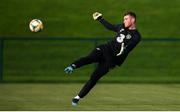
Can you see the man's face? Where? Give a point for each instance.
(128, 21)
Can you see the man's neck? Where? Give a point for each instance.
(132, 27)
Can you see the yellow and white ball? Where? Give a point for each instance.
(36, 25)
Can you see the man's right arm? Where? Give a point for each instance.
(106, 24)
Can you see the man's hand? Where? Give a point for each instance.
(97, 15)
(69, 69)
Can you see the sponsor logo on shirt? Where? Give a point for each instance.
(121, 30)
(120, 38)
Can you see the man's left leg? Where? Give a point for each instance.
(100, 71)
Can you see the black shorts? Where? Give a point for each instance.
(105, 55)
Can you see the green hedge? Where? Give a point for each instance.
(61, 18)
(45, 60)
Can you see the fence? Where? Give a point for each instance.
(8, 62)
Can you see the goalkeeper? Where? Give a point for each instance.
(108, 55)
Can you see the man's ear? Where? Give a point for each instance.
(133, 20)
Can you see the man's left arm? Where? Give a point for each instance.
(129, 46)
(132, 44)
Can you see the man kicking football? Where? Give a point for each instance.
(108, 55)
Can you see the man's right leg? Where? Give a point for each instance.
(94, 56)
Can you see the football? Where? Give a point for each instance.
(36, 25)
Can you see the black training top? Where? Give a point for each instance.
(130, 38)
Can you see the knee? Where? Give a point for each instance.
(88, 58)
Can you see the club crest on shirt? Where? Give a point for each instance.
(128, 36)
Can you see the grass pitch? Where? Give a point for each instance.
(47, 96)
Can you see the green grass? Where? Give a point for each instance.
(24, 96)
(155, 18)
